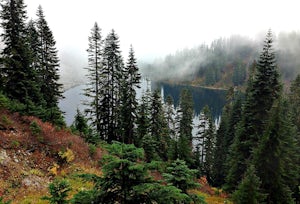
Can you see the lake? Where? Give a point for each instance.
(215, 99)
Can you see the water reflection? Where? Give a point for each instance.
(215, 99)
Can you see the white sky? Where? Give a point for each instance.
(159, 27)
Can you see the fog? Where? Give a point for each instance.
(186, 64)
(158, 28)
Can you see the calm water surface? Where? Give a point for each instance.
(215, 99)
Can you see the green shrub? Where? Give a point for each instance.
(35, 128)
(59, 190)
(16, 106)
(15, 144)
(53, 115)
(6, 121)
(4, 101)
(36, 131)
(92, 149)
(84, 197)
(3, 202)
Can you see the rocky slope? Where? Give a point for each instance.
(33, 153)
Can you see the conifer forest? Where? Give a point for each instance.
(125, 147)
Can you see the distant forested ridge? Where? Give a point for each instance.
(144, 151)
(225, 62)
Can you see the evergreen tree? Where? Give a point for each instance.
(126, 180)
(170, 115)
(17, 75)
(249, 189)
(143, 118)
(263, 89)
(131, 81)
(171, 122)
(95, 85)
(179, 175)
(47, 63)
(261, 93)
(220, 155)
(184, 120)
(59, 190)
(150, 146)
(206, 136)
(294, 100)
(276, 156)
(81, 126)
(111, 77)
(224, 137)
(222, 144)
(158, 126)
(33, 39)
(187, 114)
(234, 119)
(118, 183)
(239, 75)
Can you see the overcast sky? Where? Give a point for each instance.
(159, 27)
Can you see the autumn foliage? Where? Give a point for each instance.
(33, 153)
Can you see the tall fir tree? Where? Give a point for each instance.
(276, 156)
(294, 98)
(33, 39)
(263, 89)
(294, 101)
(225, 135)
(158, 126)
(129, 104)
(207, 134)
(184, 127)
(143, 118)
(94, 85)
(171, 124)
(18, 76)
(112, 77)
(47, 66)
(48, 62)
(187, 114)
(220, 155)
(170, 115)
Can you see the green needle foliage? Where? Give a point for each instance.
(59, 192)
(179, 175)
(249, 191)
(126, 180)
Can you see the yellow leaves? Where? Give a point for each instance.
(36, 172)
(53, 170)
(67, 155)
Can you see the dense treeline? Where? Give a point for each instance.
(225, 62)
(257, 144)
(253, 155)
(255, 139)
(29, 63)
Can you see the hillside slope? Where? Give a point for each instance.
(34, 153)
